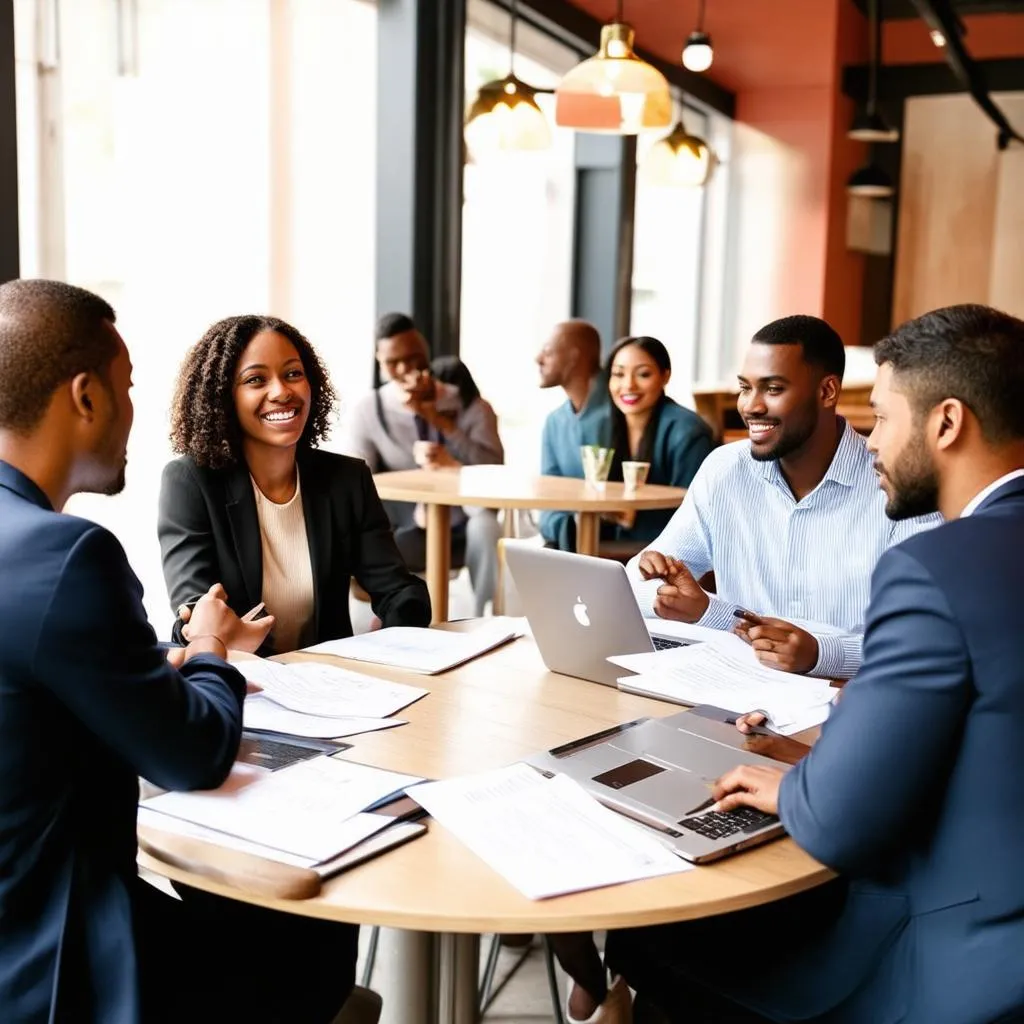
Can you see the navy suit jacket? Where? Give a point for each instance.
(915, 791)
(88, 703)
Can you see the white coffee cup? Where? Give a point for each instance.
(634, 475)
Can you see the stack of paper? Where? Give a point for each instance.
(545, 836)
(421, 650)
(304, 814)
(321, 701)
(728, 675)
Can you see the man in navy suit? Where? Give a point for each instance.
(913, 793)
(89, 701)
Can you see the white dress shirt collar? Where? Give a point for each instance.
(972, 506)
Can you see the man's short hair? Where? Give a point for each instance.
(392, 324)
(970, 352)
(822, 346)
(49, 333)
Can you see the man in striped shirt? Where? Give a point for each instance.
(791, 521)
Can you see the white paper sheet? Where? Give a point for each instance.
(545, 836)
(304, 810)
(312, 688)
(359, 827)
(727, 677)
(420, 650)
(263, 714)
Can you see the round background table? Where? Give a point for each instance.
(490, 712)
(504, 487)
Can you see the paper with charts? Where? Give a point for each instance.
(729, 676)
(545, 836)
(303, 810)
(312, 688)
(421, 650)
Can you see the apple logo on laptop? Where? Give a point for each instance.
(580, 611)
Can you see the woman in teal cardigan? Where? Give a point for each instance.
(648, 426)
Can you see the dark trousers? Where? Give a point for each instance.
(686, 969)
(206, 958)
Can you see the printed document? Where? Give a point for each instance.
(303, 810)
(313, 688)
(263, 715)
(545, 836)
(721, 675)
(420, 650)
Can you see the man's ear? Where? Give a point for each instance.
(949, 418)
(831, 386)
(83, 387)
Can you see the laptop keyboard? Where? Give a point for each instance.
(722, 824)
(662, 643)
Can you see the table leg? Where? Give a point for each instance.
(457, 967)
(427, 978)
(405, 976)
(439, 558)
(588, 533)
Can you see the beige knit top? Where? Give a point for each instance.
(287, 569)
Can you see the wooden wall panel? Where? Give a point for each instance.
(1006, 288)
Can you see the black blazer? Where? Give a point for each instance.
(209, 533)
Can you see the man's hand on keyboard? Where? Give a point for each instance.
(680, 596)
(748, 786)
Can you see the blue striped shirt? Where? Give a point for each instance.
(809, 561)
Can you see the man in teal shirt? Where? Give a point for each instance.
(571, 359)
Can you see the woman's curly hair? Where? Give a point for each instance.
(204, 423)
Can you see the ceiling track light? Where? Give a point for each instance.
(870, 182)
(698, 53)
(869, 125)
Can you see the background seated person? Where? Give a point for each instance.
(408, 405)
(254, 503)
(571, 360)
(648, 426)
(791, 521)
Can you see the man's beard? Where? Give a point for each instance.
(913, 482)
(791, 439)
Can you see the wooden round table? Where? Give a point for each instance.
(490, 712)
(504, 487)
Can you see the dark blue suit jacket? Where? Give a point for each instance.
(915, 793)
(88, 703)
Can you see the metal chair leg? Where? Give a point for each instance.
(556, 997)
(489, 968)
(371, 957)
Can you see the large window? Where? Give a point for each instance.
(678, 244)
(192, 159)
(516, 240)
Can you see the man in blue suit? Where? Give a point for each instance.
(913, 792)
(89, 701)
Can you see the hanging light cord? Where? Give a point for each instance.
(512, 37)
(875, 45)
(618, 15)
(700, 15)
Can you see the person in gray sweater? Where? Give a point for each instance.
(411, 419)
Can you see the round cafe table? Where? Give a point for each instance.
(505, 488)
(441, 897)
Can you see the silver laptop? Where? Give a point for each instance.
(658, 771)
(581, 611)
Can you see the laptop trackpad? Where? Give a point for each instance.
(669, 792)
(626, 774)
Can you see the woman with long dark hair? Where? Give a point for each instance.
(255, 504)
(648, 426)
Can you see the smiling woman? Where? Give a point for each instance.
(253, 504)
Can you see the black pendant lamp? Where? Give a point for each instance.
(869, 125)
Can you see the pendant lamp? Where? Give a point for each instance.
(871, 182)
(698, 53)
(505, 115)
(679, 160)
(869, 125)
(614, 92)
